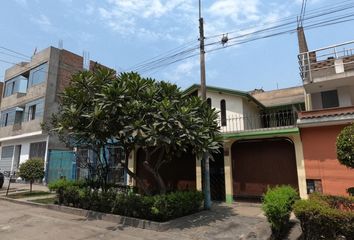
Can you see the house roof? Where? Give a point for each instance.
(326, 116)
(330, 112)
(281, 97)
(225, 90)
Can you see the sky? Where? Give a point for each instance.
(123, 33)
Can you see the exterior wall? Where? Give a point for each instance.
(344, 96)
(26, 127)
(61, 66)
(319, 144)
(252, 118)
(234, 104)
(316, 101)
(25, 147)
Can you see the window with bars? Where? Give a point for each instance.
(330, 99)
(37, 150)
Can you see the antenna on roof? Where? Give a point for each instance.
(35, 51)
(60, 44)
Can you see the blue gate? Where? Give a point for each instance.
(61, 164)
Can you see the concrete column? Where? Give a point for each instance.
(308, 102)
(229, 191)
(132, 167)
(300, 166)
(198, 174)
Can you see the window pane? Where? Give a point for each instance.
(7, 118)
(330, 99)
(38, 75)
(37, 150)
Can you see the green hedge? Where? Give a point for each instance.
(157, 208)
(326, 217)
(277, 206)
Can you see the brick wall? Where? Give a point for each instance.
(69, 63)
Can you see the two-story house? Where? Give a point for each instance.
(262, 145)
(29, 98)
(328, 79)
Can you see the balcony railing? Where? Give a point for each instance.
(326, 61)
(258, 122)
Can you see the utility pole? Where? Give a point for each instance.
(206, 170)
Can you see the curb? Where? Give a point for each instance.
(123, 220)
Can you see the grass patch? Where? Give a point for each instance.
(45, 200)
(28, 194)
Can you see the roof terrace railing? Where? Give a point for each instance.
(326, 61)
(258, 122)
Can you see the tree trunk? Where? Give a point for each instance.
(157, 177)
(31, 182)
(139, 182)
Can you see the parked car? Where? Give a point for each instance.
(1, 179)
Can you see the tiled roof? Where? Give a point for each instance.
(330, 112)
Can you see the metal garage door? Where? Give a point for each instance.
(258, 164)
(6, 158)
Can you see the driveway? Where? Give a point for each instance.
(223, 222)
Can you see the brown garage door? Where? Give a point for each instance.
(258, 164)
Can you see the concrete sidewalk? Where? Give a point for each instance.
(21, 187)
(222, 222)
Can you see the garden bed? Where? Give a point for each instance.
(158, 208)
(326, 217)
(28, 194)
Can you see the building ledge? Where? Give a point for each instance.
(330, 116)
(25, 135)
(263, 133)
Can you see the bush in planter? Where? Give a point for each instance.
(277, 206)
(176, 204)
(326, 217)
(61, 185)
(158, 207)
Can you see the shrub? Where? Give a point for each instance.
(277, 206)
(127, 203)
(60, 186)
(345, 146)
(159, 207)
(326, 217)
(351, 191)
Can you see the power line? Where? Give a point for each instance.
(314, 13)
(175, 56)
(13, 51)
(316, 24)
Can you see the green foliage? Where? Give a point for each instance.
(351, 191)
(345, 146)
(101, 107)
(159, 207)
(277, 205)
(31, 170)
(326, 217)
(64, 188)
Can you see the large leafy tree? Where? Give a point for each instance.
(101, 108)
